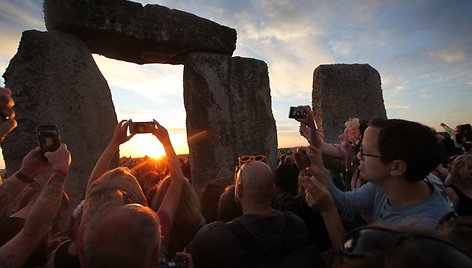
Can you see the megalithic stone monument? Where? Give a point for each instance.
(341, 91)
(55, 80)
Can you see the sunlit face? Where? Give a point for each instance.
(371, 168)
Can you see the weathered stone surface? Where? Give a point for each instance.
(55, 80)
(229, 114)
(341, 91)
(125, 30)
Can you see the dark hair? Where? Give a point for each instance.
(363, 124)
(209, 198)
(228, 207)
(411, 142)
(286, 177)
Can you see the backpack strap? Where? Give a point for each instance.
(253, 246)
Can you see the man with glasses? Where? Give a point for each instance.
(395, 158)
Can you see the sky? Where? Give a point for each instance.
(421, 48)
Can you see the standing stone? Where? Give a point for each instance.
(229, 114)
(55, 80)
(341, 91)
(253, 125)
(126, 30)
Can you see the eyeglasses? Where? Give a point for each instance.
(246, 158)
(361, 151)
(430, 250)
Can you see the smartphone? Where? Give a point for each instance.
(48, 138)
(141, 127)
(296, 112)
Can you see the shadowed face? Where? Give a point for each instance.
(371, 166)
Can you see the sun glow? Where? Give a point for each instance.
(147, 144)
(141, 145)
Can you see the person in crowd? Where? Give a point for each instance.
(11, 188)
(17, 250)
(386, 246)
(127, 236)
(286, 181)
(149, 182)
(209, 198)
(7, 114)
(188, 218)
(348, 148)
(12, 225)
(395, 157)
(65, 255)
(185, 166)
(282, 159)
(117, 187)
(453, 133)
(219, 244)
(460, 189)
(228, 207)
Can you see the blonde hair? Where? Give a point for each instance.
(461, 169)
(188, 212)
(114, 188)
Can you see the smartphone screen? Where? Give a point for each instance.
(141, 127)
(48, 138)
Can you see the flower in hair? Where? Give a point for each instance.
(353, 134)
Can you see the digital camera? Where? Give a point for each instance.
(296, 112)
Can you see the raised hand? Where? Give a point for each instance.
(309, 119)
(59, 159)
(317, 195)
(7, 114)
(301, 158)
(304, 131)
(161, 133)
(120, 135)
(34, 163)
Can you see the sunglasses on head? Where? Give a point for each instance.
(383, 241)
(246, 158)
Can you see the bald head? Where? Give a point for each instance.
(126, 236)
(257, 181)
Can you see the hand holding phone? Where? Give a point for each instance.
(48, 138)
(297, 112)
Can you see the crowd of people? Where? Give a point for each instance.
(407, 203)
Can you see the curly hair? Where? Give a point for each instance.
(461, 170)
(116, 187)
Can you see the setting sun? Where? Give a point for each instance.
(141, 145)
(146, 144)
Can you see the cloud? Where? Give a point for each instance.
(425, 94)
(155, 82)
(173, 118)
(341, 48)
(22, 14)
(394, 104)
(449, 55)
(10, 41)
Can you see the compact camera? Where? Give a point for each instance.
(48, 138)
(141, 127)
(296, 112)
